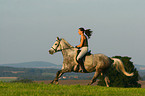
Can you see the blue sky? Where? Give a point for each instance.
(28, 28)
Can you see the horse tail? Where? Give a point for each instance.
(118, 64)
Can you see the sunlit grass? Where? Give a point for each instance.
(35, 89)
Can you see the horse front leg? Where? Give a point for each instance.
(94, 78)
(58, 75)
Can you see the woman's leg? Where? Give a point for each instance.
(79, 60)
(82, 53)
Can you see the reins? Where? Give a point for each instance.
(65, 49)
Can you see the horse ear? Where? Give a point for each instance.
(58, 38)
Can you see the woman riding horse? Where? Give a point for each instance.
(98, 63)
(85, 34)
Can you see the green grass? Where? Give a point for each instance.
(35, 89)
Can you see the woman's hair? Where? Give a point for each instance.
(88, 32)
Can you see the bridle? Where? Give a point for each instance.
(55, 49)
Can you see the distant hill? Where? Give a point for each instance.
(34, 64)
(6, 73)
(27, 73)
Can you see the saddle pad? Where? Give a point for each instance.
(88, 60)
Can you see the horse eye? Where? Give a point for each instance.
(56, 44)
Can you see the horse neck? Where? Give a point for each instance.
(66, 53)
(68, 50)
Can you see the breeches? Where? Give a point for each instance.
(84, 50)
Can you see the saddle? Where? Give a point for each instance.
(87, 54)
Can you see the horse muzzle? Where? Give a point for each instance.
(51, 51)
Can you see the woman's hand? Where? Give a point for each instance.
(77, 47)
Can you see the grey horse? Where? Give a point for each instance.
(98, 63)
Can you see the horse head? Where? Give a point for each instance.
(56, 46)
(59, 45)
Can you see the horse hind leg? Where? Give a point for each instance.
(94, 78)
(106, 80)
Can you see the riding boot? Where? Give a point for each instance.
(81, 65)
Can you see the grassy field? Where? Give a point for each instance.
(35, 89)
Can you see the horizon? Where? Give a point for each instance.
(30, 62)
(53, 63)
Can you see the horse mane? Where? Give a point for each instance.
(66, 42)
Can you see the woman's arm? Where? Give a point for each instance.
(82, 40)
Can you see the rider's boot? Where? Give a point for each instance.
(81, 65)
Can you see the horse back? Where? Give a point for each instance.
(88, 60)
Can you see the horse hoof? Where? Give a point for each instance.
(107, 85)
(51, 83)
(56, 83)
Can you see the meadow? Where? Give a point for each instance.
(41, 89)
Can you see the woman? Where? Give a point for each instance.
(85, 35)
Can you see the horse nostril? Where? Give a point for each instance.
(50, 52)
